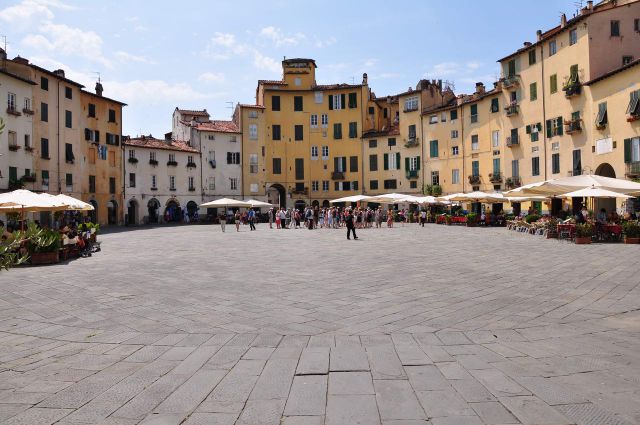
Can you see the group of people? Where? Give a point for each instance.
(334, 217)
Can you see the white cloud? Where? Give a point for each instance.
(223, 39)
(370, 63)
(279, 38)
(224, 45)
(145, 92)
(326, 43)
(211, 77)
(265, 63)
(128, 57)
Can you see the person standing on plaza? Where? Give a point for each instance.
(390, 218)
(252, 219)
(270, 218)
(223, 221)
(423, 217)
(350, 225)
(237, 219)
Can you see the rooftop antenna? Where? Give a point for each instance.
(353, 80)
(98, 73)
(578, 6)
(231, 106)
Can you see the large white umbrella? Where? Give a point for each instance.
(564, 185)
(257, 204)
(477, 196)
(421, 200)
(388, 198)
(23, 200)
(71, 203)
(595, 192)
(354, 198)
(225, 203)
(527, 198)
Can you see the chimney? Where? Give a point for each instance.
(59, 73)
(99, 88)
(364, 79)
(527, 44)
(21, 61)
(539, 35)
(563, 20)
(440, 85)
(3, 54)
(590, 5)
(479, 88)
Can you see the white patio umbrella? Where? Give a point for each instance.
(388, 198)
(527, 198)
(421, 200)
(564, 185)
(483, 197)
(23, 200)
(354, 198)
(225, 203)
(595, 192)
(72, 203)
(257, 204)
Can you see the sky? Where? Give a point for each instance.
(156, 55)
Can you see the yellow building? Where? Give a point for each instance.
(311, 135)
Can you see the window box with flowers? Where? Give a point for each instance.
(191, 165)
(133, 160)
(14, 148)
(29, 148)
(27, 111)
(172, 163)
(29, 178)
(153, 162)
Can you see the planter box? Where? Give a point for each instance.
(631, 240)
(552, 235)
(45, 257)
(583, 240)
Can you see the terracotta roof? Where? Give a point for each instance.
(103, 97)
(51, 73)
(335, 86)
(393, 131)
(17, 77)
(202, 113)
(219, 126)
(412, 91)
(477, 97)
(615, 71)
(453, 104)
(295, 60)
(153, 143)
(246, 105)
(281, 83)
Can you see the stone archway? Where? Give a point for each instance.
(153, 207)
(326, 204)
(605, 170)
(300, 205)
(132, 212)
(172, 211)
(315, 204)
(93, 215)
(112, 212)
(192, 210)
(277, 195)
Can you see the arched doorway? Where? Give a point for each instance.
(192, 210)
(172, 211)
(315, 204)
(93, 215)
(300, 205)
(277, 195)
(605, 170)
(132, 212)
(112, 212)
(325, 203)
(153, 206)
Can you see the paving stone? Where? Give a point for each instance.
(211, 419)
(348, 359)
(314, 361)
(262, 412)
(37, 416)
(457, 420)
(530, 410)
(443, 403)
(426, 378)
(308, 396)
(498, 383)
(493, 413)
(192, 392)
(471, 390)
(350, 383)
(303, 420)
(352, 410)
(397, 400)
(275, 380)
(385, 363)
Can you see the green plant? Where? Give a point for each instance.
(9, 250)
(472, 217)
(531, 218)
(584, 230)
(42, 240)
(432, 189)
(33, 239)
(631, 229)
(551, 224)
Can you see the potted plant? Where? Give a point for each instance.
(584, 232)
(472, 219)
(532, 218)
(631, 230)
(447, 219)
(551, 227)
(45, 247)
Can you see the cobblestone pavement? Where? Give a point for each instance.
(436, 325)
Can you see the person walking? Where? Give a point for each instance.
(223, 221)
(252, 219)
(350, 224)
(237, 219)
(270, 218)
(423, 217)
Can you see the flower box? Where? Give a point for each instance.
(45, 257)
(584, 240)
(632, 240)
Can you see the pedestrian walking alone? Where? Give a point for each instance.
(350, 225)
(252, 219)
(223, 221)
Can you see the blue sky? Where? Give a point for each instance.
(156, 55)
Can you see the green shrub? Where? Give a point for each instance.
(631, 229)
(532, 218)
(472, 217)
(584, 230)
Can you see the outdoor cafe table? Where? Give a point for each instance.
(566, 231)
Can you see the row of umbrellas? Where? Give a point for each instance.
(23, 200)
(235, 203)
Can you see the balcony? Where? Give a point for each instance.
(511, 81)
(191, 165)
(633, 110)
(495, 177)
(512, 109)
(513, 141)
(337, 175)
(172, 163)
(29, 148)
(573, 126)
(410, 108)
(133, 160)
(304, 191)
(633, 169)
(412, 142)
(572, 89)
(11, 110)
(13, 147)
(513, 182)
(153, 162)
(192, 189)
(27, 111)
(473, 179)
(412, 174)
(29, 178)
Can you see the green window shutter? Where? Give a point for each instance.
(330, 97)
(342, 101)
(398, 160)
(386, 161)
(417, 162)
(335, 163)
(528, 129)
(559, 124)
(344, 163)
(539, 126)
(549, 129)
(406, 164)
(627, 151)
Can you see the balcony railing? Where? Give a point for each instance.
(412, 174)
(513, 141)
(633, 169)
(512, 109)
(573, 126)
(191, 165)
(511, 81)
(304, 191)
(27, 111)
(495, 177)
(513, 182)
(473, 179)
(412, 142)
(172, 163)
(14, 147)
(133, 160)
(572, 89)
(337, 175)
(153, 162)
(11, 110)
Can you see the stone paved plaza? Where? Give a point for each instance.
(436, 325)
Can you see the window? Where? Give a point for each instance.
(615, 28)
(315, 185)
(314, 120)
(454, 114)
(390, 184)
(455, 176)
(253, 131)
(276, 132)
(373, 144)
(190, 183)
(391, 161)
(433, 148)
(132, 179)
(435, 178)
(553, 49)
(11, 101)
(13, 138)
(577, 162)
(68, 153)
(533, 91)
(414, 163)
(443, 117)
(573, 36)
(92, 110)
(454, 151)
(391, 141)
(515, 168)
(353, 130)
(412, 132)
(511, 68)
(275, 103)
(535, 166)
(325, 185)
(373, 184)
(553, 83)
(314, 152)
(297, 103)
(413, 184)
(112, 115)
(602, 119)
(495, 138)
(495, 106)
(411, 104)
(555, 163)
(337, 130)
(298, 131)
(474, 113)
(27, 103)
(636, 25)
(632, 150)
(496, 166)
(325, 152)
(634, 103)
(299, 168)
(277, 166)
(253, 114)
(475, 168)
(325, 120)
(44, 83)
(68, 180)
(44, 112)
(532, 56)
(27, 140)
(626, 60)
(318, 97)
(154, 182)
(336, 101)
(132, 153)
(373, 162)
(233, 157)
(353, 164)
(172, 157)
(45, 179)
(68, 118)
(68, 93)
(554, 127)
(13, 174)
(385, 113)
(474, 142)
(353, 100)
(454, 134)
(172, 182)
(297, 81)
